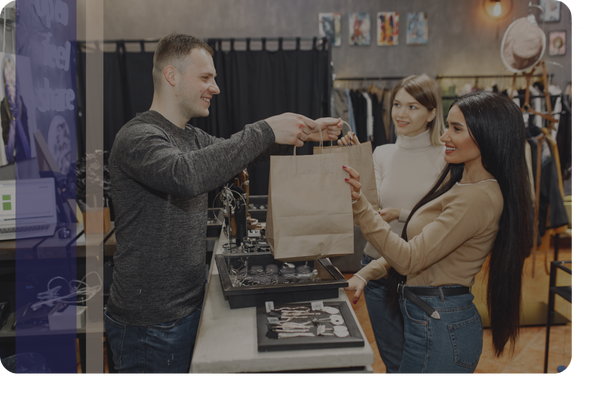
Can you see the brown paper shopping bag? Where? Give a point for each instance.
(360, 157)
(309, 211)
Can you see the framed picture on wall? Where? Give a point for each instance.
(416, 28)
(557, 45)
(359, 29)
(330, 26)
(551, 10)
(18, 110)
(387, 28)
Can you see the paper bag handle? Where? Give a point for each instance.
(349, 130)
(320, 142)
(320, 145)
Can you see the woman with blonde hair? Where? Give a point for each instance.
(404, 172)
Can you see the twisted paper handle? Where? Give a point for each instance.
(320, 136)
(349, 130)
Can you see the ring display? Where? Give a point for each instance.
(249, 279)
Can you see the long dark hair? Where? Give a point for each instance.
(496, 125)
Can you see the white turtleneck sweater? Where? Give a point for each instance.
(405, 171)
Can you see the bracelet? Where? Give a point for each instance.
(359, 194)
(361, 278)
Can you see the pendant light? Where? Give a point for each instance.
(497, 9)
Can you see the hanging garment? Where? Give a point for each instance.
(554, 150)
(390, 131)
(528, 159)
(551, 212)
(351, 120)
(380, 115)
(340, 104)
(359, 107)
(556, 101)
(369, 116)
(379, 137)
(563, 139)
(536, 103)
(551, 200)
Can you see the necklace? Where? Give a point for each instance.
(475, 182)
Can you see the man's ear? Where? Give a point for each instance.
(169, 73)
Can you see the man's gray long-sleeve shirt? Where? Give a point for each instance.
(160, 177)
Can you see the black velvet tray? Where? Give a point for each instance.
(265, 343)
(251, 296)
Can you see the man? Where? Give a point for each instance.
(161, 171)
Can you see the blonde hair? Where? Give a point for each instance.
(427, 92)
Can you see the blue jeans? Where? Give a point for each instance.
(450, 344)
(165, 347)
(387, 326)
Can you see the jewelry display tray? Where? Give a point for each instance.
(354, 339)
(251, 296)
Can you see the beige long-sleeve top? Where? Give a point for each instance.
(405, 171)
(449, 238)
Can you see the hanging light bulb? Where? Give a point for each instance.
(497, 9)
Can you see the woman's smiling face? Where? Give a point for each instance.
(410, 117)
(460, 146)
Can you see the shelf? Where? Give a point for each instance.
(563, 291)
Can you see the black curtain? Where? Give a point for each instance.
(254, 84)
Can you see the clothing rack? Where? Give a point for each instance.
(476, 77)
(224, 39)
(491, 80)
(219, 42)
(387, 82)
(376, 78)
(480, 76)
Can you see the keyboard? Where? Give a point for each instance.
(29, 228)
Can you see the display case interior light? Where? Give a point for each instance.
(497, 9)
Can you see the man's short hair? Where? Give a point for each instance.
(174, 48)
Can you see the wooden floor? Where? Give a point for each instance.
(528, 356)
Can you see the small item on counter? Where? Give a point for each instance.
(330, 310)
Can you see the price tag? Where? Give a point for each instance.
(269, 306)
(273, 320)
(316, 305)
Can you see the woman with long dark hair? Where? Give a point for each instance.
(404, 173)
(479, 205)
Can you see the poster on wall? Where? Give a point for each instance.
(416, 28)
(360, 29)
(551, 10)
(557, 43)
(49, 45)
(387, 28)
(330, 26)
(17, 110)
